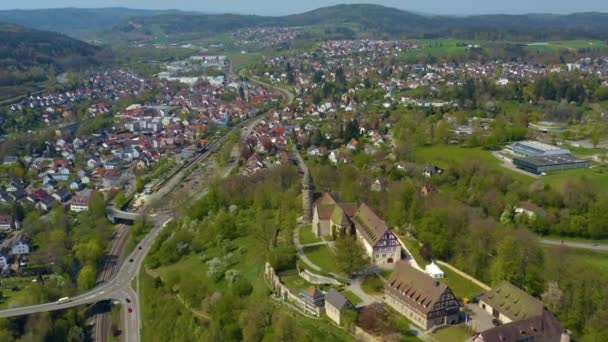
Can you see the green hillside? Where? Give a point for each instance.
(380, 20)
(29, 56)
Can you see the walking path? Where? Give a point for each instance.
(300, 250)
(321, 243)
(573, 244)
(355, 287)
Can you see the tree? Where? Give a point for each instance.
(425, 252)
(86, 277)
(76, 334)
(595, 136)
(97, 205)
(350, 255)
(120, 199)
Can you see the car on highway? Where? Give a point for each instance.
(128, 300)
(63, 300)
(130, 310)
(139, 247)
(131, 260)
(594, 244)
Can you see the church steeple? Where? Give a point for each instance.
(307, 196)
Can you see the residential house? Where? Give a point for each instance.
(335, 305)
(427, 190)
(113, 163)
(46, 203)
(353, 144)
(378, 185)
(20, 248)
(111, 178)
(6, 222)
(429, 171)
(62, 195)
(76, 184)
(80, 202)
(312, 298)
(423, 300)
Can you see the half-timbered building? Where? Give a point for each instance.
(379, 241)
(332, 219)
(420, 298)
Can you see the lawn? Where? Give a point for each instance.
(293, 281)
(587, 259)
(595, 176)
(461, 287)
(453, 333)
(322, 257)
(353, 298)
(442, 155)
(372, 285)
(21, 296)
(307, 236)
(567, 44)
(440, 47)
(413, 247)
(243, 60)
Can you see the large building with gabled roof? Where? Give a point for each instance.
(331, 218)
(422, 299)
(508, 303)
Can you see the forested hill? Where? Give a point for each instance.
(73, 20)
(378, 19)
(28, 55)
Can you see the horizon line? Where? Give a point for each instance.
(188, 11)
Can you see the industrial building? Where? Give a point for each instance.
(544, 164)
(534, 148)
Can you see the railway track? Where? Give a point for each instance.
(103, 321)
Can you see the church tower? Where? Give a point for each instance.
(307, 196)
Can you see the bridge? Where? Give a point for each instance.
(119, 216)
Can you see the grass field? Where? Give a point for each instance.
(322, 257)
(307, 236)
(293, 281)
(353, 298)
(413, 247)
(567, 44)
(372, 285)
(454, 333)
(441, 155)
(440, 47)
(596, 260)
(243, 60)
(461, 287)
(557, 179)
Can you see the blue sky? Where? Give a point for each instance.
(280, 7)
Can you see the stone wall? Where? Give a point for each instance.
(280, 290)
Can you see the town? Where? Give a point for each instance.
(351, 173)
